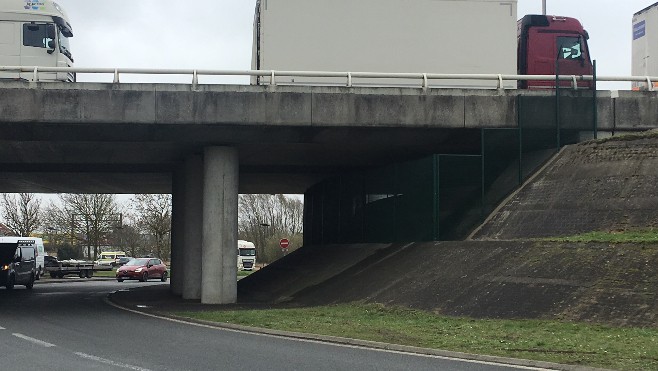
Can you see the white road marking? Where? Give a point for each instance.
(2, 328)
(55, 293)
(110, 362)
(306, 340)
(34, 341)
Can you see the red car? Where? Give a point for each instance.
(142, 269)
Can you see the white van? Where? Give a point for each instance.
(110, 258)
(40, 252)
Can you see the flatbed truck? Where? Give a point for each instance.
(59, 269)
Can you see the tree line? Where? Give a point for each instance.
(266, 219)
(83, 225)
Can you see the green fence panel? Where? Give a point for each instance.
(331, 213)
(352, 204)
(501, 156)
(415, 200)
(460, 195)
(380, 193)
(539, 134)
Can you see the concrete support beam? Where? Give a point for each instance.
(220, 226)
(177, 231)
(193, 220)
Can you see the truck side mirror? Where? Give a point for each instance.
(51, 46)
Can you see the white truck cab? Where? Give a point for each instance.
(246, 255)
(34, 33)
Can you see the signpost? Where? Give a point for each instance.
(284, 243)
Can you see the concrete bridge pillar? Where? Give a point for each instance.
(193, 211)
(220, 226)
(177, 230)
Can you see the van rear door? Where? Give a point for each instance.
(25, 268)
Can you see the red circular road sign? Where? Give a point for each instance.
(284, 243)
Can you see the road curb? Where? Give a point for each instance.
(351, 342)
(69, 280)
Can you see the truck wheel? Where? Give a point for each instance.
(10, 283)
(30, 284)
(90, 273)
(119, 279)
(53, 274)
(81, 274)
(60, 275)
(164, 277)
(145, 277)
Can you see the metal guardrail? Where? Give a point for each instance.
(423, 78)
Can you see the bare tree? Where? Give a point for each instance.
(129, 239)
(265, 219)
(153, 213)
(22, 214)
(89, 218)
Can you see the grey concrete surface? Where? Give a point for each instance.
(178, 229)
(193, 227)
(220, 226)
(129, 138)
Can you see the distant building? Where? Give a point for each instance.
(5, 231)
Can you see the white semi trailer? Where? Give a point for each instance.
(645, 45)
(34, 33)
(395, 36)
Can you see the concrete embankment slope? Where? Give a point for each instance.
(595, 186)
(491, 279)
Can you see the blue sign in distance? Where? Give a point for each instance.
(639, 30)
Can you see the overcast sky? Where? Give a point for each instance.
(217, 34)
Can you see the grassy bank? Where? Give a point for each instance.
(552, 341)
(627, 236)
(111, 273)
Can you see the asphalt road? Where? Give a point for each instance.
(69, 326)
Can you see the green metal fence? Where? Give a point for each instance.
(444, 196)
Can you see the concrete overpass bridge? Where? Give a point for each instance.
(206, 143)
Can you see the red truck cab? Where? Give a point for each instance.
(544, 41)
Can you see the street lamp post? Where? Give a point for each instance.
(543, 7)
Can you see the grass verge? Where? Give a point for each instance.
(629, 236)
(552, 341)
(111, 273)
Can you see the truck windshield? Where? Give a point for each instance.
(570, 47)
(247, 252)
(64, 45)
